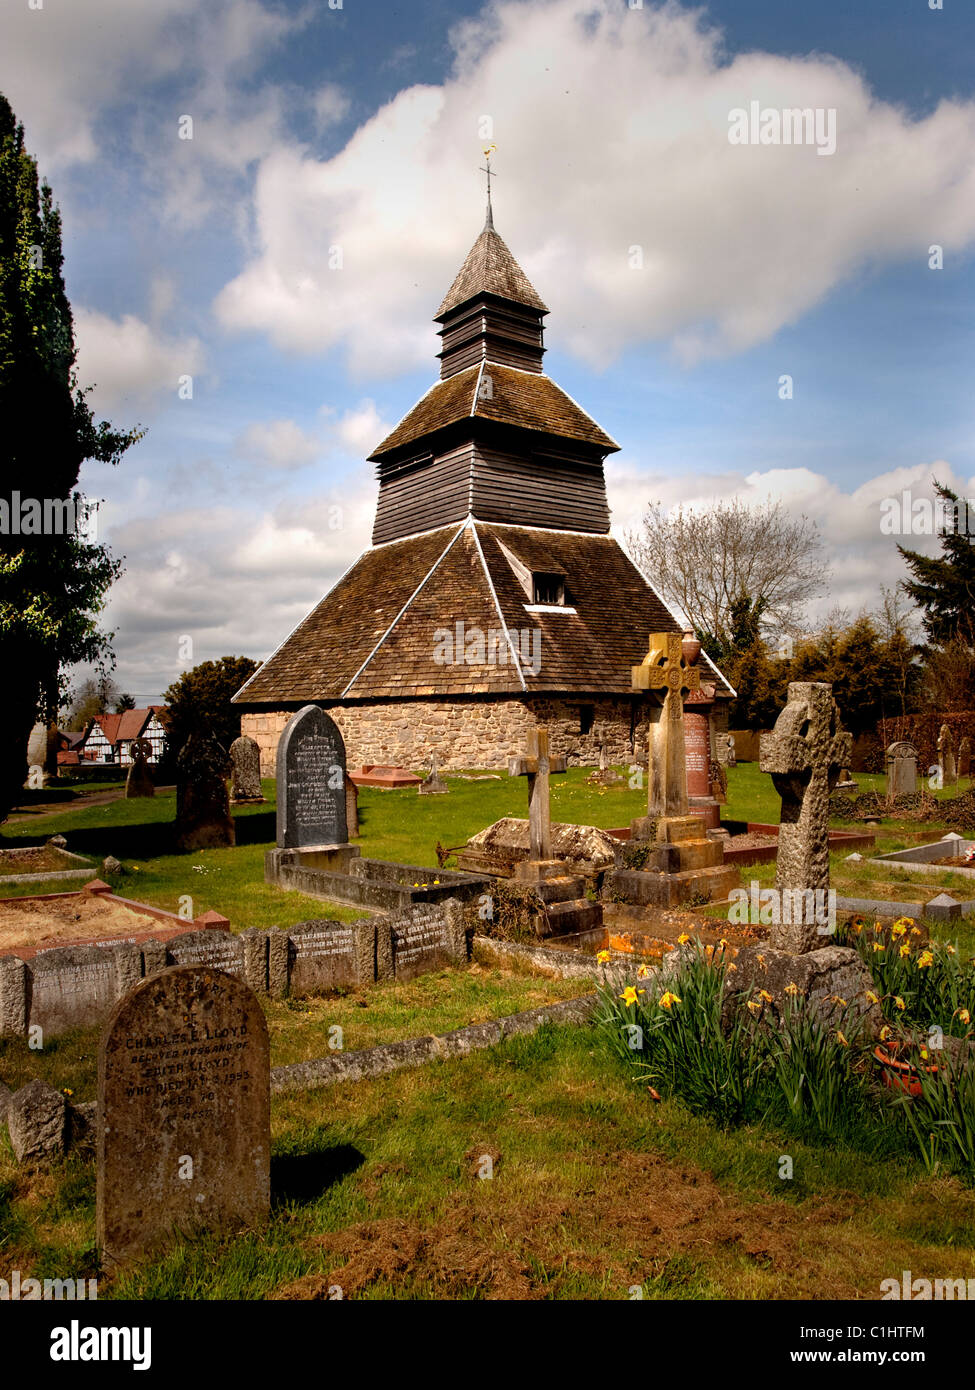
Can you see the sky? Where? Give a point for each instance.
(264, 203)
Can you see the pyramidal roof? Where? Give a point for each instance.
(490, 268)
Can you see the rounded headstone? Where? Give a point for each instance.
(183, 1111)
(311, 782)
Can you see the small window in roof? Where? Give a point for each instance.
(548, 588)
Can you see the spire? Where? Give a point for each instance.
(486, 169)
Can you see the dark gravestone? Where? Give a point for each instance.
(139, 780)
(184, 1129)
(203, 818)
(311, 782)
(245, 759)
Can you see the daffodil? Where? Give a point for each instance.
(963, 1016)
(764, 994)
(792, 988)
(905, 950)
(835, 999)
(841, 1040)
(879, 946)
(886, 1032)
(643, 972)
(668, 1000)
(898, 929)
(602, 957)
(925, 959)
(683, 939)
(732, 965)
(629, 995)
(754, 1006)
(871, 997)
(898, 1001)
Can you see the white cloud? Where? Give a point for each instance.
(861, 556)
(279, 444)
(736, 241)
(129, 362)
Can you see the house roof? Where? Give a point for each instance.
(378, 633)
(529, 400)
(130, 724)
(490, 268)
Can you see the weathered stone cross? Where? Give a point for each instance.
(804, 753)
(536, 766)
(664, 668)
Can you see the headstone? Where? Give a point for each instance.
(946, 757)
(433, 785)
(731, 751)
(724, 749)
(664, 669)
(536, 766)
(184, 1134)
(351, 807)
(901, 762)
(139, 781)
(203, 818)
(805, 753)
(965, 757)
(245, 763)
(311, 782)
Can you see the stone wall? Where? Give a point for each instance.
(469, 733)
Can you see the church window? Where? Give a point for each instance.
(587, 714)
(548, 588)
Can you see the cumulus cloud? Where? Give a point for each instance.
(735, 241)
(860, 547)
(129, 362)
(279, 444)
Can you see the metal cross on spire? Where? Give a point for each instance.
(486, 169)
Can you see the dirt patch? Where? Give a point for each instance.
(76, 916)
(752, 841)
(41, 860)
(954, 861)
(638, 1219)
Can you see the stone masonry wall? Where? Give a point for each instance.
(467, 733)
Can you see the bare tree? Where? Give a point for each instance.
(703, 561)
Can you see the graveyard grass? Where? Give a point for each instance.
(596, 1188)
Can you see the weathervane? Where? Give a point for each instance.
(486, 169)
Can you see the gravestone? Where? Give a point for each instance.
(245, 762)
(433, 785)
(351, 807)
(138, 781)
(965, 757)
(311, 782)
(203, 818)
(805, 753)
(901, 763)
(664, 669)
(184, 1135)
(946, 757)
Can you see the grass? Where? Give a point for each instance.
(595, 1189)
(300, 1028)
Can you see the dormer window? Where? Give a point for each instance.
(548, 589)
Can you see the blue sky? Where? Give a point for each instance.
(360, 127)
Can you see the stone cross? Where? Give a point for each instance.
(664, 668)
(536, 766)
(139, 781)
(946, 757)
(805, 753)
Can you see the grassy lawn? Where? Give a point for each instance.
(595, 1189)
(299, 1028)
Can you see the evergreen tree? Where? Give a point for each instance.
(52, 582)
(943, 585)
(199, 702)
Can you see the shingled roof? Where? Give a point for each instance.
(490, 268)
(374, 635)
(526, 399)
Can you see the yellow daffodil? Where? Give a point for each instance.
(643, 972)
(764, 994)
(683, 939)
(754, 1006)
(905, 950)
(898, 929)
(915, 931)
(835, 999)
(871, 997)
(950, 949)
(722, 943)
(898, 1001)
(602, 957)
(629, 994)
(732, 965)
(924, 1053)
(879, 946)
(925, 959)
(668, 1000)
(841, 1040)
(886, 1032)
(963, 1015)
(792, 988)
